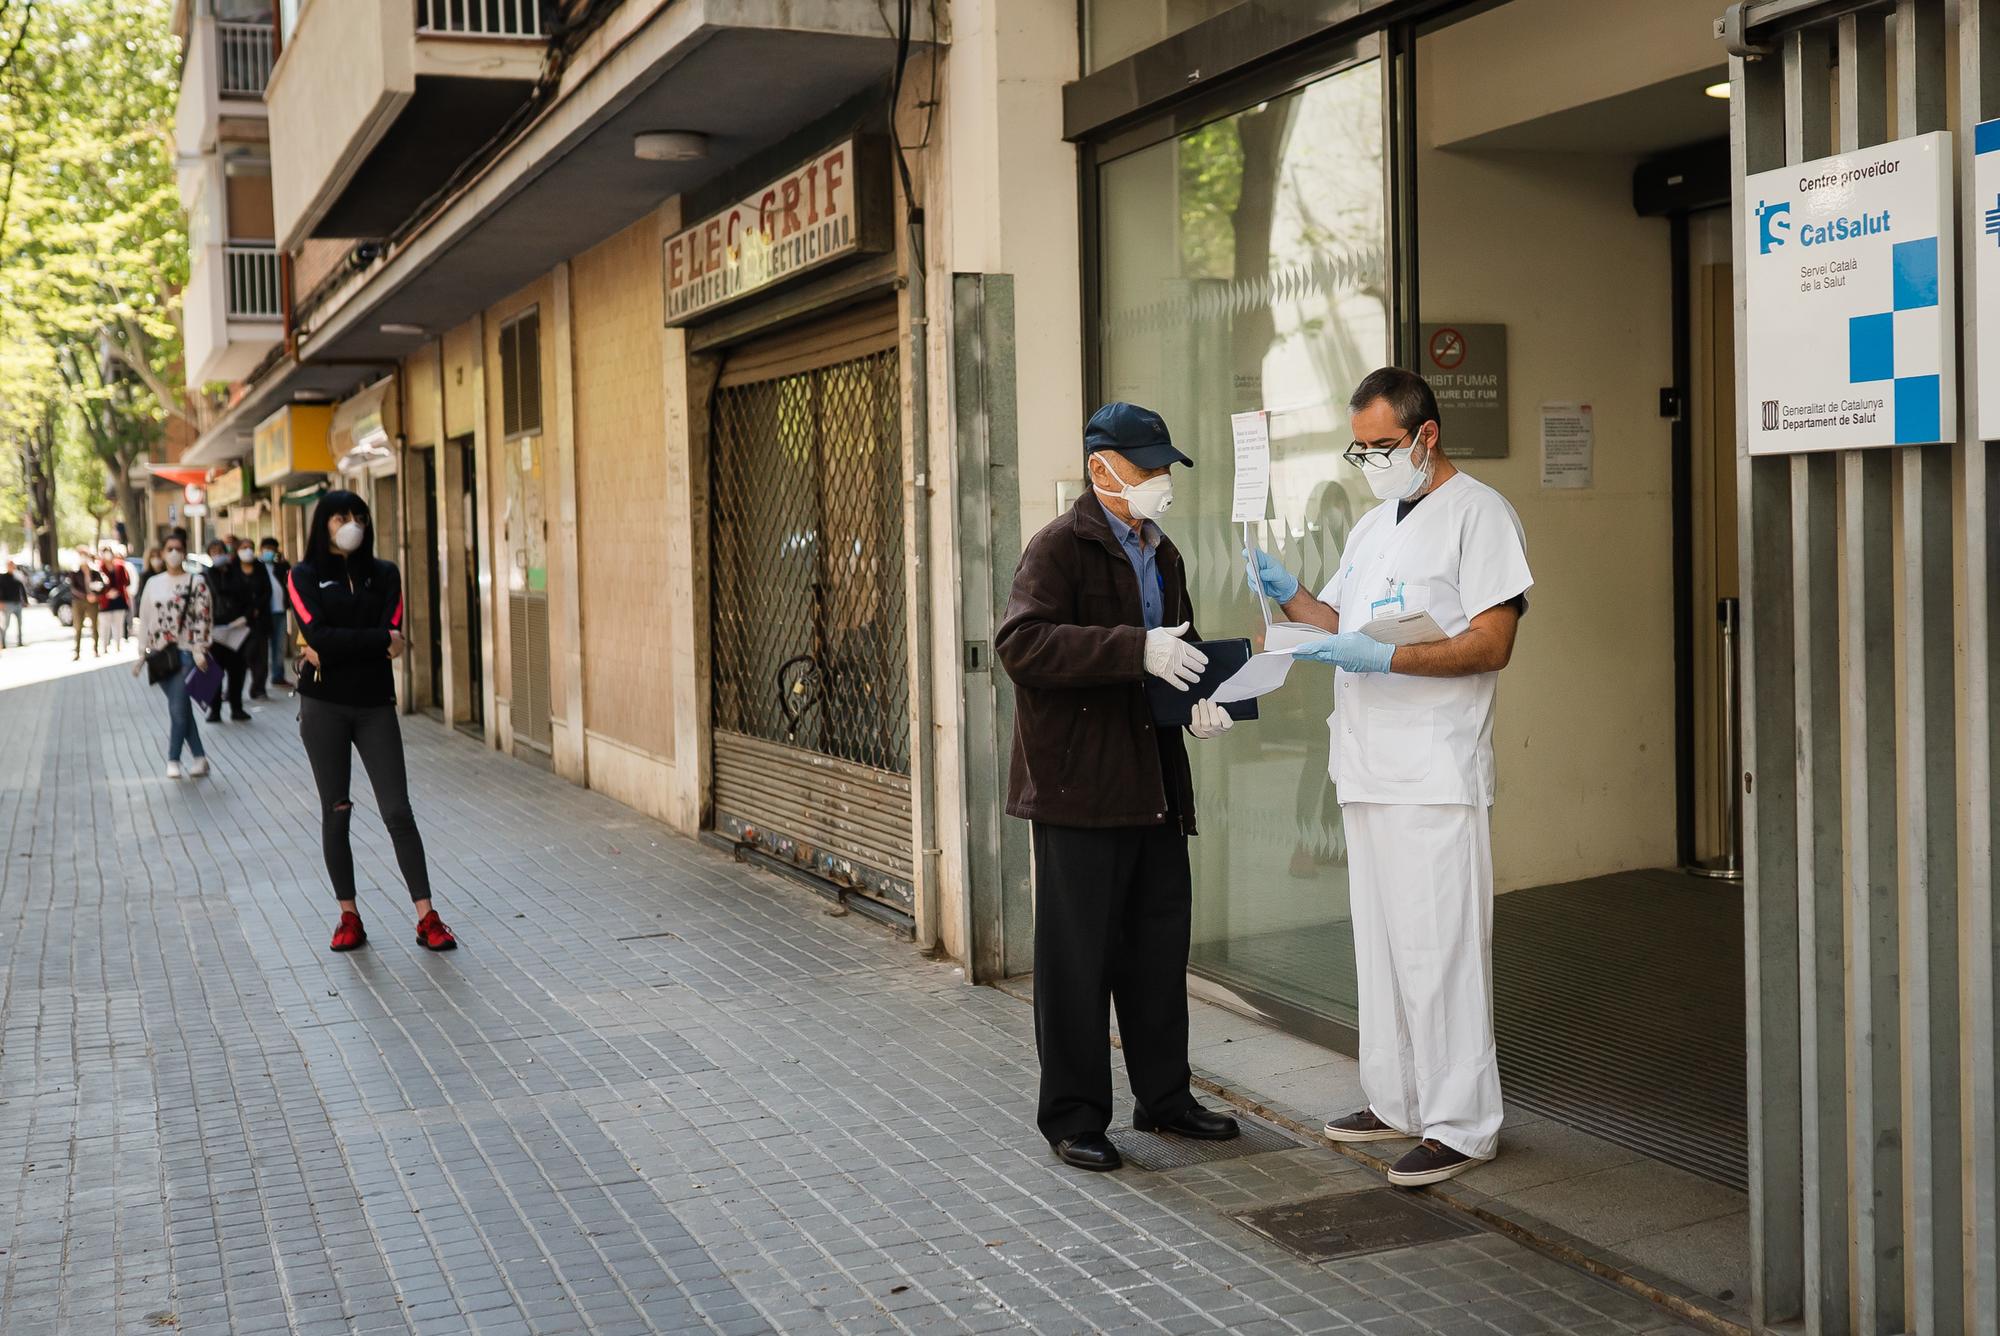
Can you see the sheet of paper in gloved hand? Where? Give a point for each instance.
(1267, 669)
(1404, 628)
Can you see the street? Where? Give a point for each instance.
(654, 1091)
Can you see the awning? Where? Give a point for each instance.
(179, 474)
(305, 496)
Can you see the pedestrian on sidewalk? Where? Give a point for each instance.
(155, 563)
(350, 609)
(277, 633)
(176, 616)
(1100, 601)
(115, 603)
(241, 590)
(1412, 756)
(13, 598)
(86, 586)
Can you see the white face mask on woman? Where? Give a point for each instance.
(173, 558)
(348, 536)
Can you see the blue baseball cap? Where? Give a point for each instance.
(1137, 433)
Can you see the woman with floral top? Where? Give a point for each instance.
(175, 611)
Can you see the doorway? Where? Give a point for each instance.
(468, 634)
(425, 504)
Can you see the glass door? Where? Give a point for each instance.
(1245, 264)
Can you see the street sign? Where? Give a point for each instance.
(1849, 300)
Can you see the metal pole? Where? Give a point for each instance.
(1729, 866)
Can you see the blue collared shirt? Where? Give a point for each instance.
(1141, 545)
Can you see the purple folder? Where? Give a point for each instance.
(205, 684)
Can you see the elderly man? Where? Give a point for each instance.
(1100, 602)
(1412, 758)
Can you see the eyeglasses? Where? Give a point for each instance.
(1363, 457)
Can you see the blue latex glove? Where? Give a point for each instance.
(1276, 581)
(1350, 650)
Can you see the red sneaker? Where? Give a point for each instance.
(432, 935)
(350, 933)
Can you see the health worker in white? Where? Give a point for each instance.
(1412, 762)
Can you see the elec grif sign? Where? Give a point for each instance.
(831, 207)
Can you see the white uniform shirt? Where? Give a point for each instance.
(1404, 739)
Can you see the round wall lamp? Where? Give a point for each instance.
(670, 146)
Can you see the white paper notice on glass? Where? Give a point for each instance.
(1267, 669)
(1252, 435)
(1567, 441)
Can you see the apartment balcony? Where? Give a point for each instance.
(232, 311)
(375, 103)
(224, 73)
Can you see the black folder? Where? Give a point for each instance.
(1172, 706)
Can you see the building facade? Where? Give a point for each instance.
(708, 414)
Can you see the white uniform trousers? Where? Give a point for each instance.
(1420, 882)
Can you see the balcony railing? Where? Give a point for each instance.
(481, 18)
(254, 291)
(243, 58)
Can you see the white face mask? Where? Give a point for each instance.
(348, 536)
(1149, 499)
(246, 555)
(173, 559)
(1402, 479)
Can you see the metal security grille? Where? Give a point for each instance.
(810, 630)
(1871, 618)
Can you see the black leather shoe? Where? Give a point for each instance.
(1093, 1150)
(1197, 1124)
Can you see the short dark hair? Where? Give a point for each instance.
(1409, 396)
(268, 541)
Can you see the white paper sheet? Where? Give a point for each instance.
(1404, 628)
(1568, 441)
(1267, 669)
(231, 637)
(1252, 435)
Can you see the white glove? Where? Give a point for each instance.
(1210, 720)
(1172, 659)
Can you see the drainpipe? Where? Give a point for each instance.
(923, 755)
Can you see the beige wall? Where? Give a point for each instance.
(621, 480)
(1549, 244)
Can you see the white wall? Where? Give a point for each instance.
(1549, 245)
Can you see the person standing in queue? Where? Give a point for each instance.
(13, 598)
(1100, 601)
(86, 588)
(276, 632)
(350, 609)
(175, 621)
(242, 591)
(1412, 758)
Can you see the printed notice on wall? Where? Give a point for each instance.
(1566, 445)
(1252, 434)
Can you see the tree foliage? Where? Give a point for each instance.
(93, 250)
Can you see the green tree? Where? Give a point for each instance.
(93, 251)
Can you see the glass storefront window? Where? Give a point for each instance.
(1114, 29)
(1244, 265)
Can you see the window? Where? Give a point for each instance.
(521, 376)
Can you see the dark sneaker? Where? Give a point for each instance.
(1362, 1126)
(432, 935)
(350, 933)
(1429, 1162)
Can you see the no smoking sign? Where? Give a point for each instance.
(1447, 349)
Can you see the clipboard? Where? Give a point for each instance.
(1174, 708)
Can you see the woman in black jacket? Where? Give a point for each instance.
(350, 610)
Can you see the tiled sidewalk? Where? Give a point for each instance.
(654, 1091)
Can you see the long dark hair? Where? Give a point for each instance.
(319, 544)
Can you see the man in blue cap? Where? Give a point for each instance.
(1100, 601)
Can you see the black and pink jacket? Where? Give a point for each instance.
(346, 616)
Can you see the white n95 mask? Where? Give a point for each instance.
(1149, 500)
(1402, 479)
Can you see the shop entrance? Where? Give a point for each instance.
(467, 644)
(810, 634)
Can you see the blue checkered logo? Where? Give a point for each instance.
(1872, 342)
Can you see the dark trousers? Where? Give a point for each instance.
(232, 672)
(332, 734)
(257, 652)
(1112, 912)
